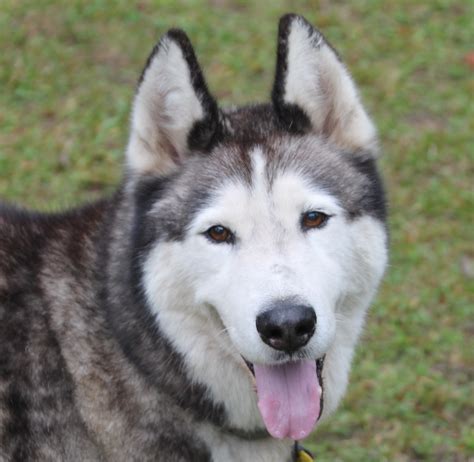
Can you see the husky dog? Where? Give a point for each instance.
(209, 310)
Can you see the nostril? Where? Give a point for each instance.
(275, 333)
(305, 327)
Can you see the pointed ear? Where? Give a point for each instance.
(314, 91)
(173, 112)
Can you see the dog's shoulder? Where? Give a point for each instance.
(31, 241)
(45, 260)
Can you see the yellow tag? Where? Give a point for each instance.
(303, 456)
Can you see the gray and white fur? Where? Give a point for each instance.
(124, 327)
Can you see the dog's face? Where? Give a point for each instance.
(268, 221)
(266, 235)
(264, 249)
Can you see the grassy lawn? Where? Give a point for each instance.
(67, 75)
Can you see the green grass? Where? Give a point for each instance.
(67, 74)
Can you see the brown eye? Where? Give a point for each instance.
(219, 234)
(313, 220)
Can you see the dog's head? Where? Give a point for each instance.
(266, 221)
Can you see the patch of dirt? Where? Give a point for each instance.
(426, 121)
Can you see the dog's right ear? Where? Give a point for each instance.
(173, 112)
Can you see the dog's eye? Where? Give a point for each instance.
(313, 219)
(219, 234)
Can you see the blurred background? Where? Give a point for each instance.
(67, 74)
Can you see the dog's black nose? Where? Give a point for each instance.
(287, 327)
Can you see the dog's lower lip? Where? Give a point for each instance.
(319, 373)
(319, 367)
(250, 366)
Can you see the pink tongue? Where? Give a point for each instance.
(288, 398)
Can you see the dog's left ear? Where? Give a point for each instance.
(173, 113)
(313, 91)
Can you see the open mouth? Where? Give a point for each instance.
(290, 396)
